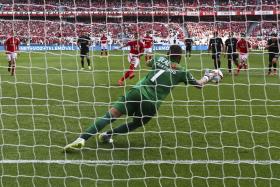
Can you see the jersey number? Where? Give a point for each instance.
(157, 75)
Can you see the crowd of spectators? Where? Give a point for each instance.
(201, 32)
(265, 28)
(262, 31)
(183, 5)
(61, 32)
(65, 33)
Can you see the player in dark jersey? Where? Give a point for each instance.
(216, 45)
(273, 52)
(143, 100)
(230, 48)
(188, 44)
(84, 43)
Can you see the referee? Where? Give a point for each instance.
(83, 43)
(188, 44)
(230, 49)
(273, 52)
(216, 45)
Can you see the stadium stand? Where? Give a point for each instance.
(57, 31)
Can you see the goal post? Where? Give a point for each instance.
(225, 134)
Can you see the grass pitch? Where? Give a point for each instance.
(222, 135)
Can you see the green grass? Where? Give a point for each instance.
(50, 102)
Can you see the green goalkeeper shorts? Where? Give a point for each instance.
(135, 104)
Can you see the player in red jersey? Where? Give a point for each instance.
(243, 47)
(11, 47)
(148, 46)
(104, 46)
(136, 51)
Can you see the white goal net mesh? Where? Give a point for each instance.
(226, 134)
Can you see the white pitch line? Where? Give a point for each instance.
(141, 162)
(104, 104)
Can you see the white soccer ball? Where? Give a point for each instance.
(218, 76)
(216, 79)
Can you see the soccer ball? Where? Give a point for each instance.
(216, 79)
(215, 75)
(218, 76)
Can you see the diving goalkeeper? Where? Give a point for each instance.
(143, 100)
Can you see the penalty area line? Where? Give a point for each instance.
(141, 162)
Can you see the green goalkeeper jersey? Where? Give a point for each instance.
(162, 78)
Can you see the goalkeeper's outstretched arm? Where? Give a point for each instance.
(208, 76)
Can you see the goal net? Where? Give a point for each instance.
(225, 134)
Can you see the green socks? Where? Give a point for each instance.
(125, 128)
(98, 125)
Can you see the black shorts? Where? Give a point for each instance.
(188, 48)
(216, 56)
(272, 56)
(84, 53)
(232, 56)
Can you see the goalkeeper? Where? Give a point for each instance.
(142, 101)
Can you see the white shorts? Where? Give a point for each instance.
(243, 57)
(104, 46)
(148, 50)
(133, 59)
(11, 56)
